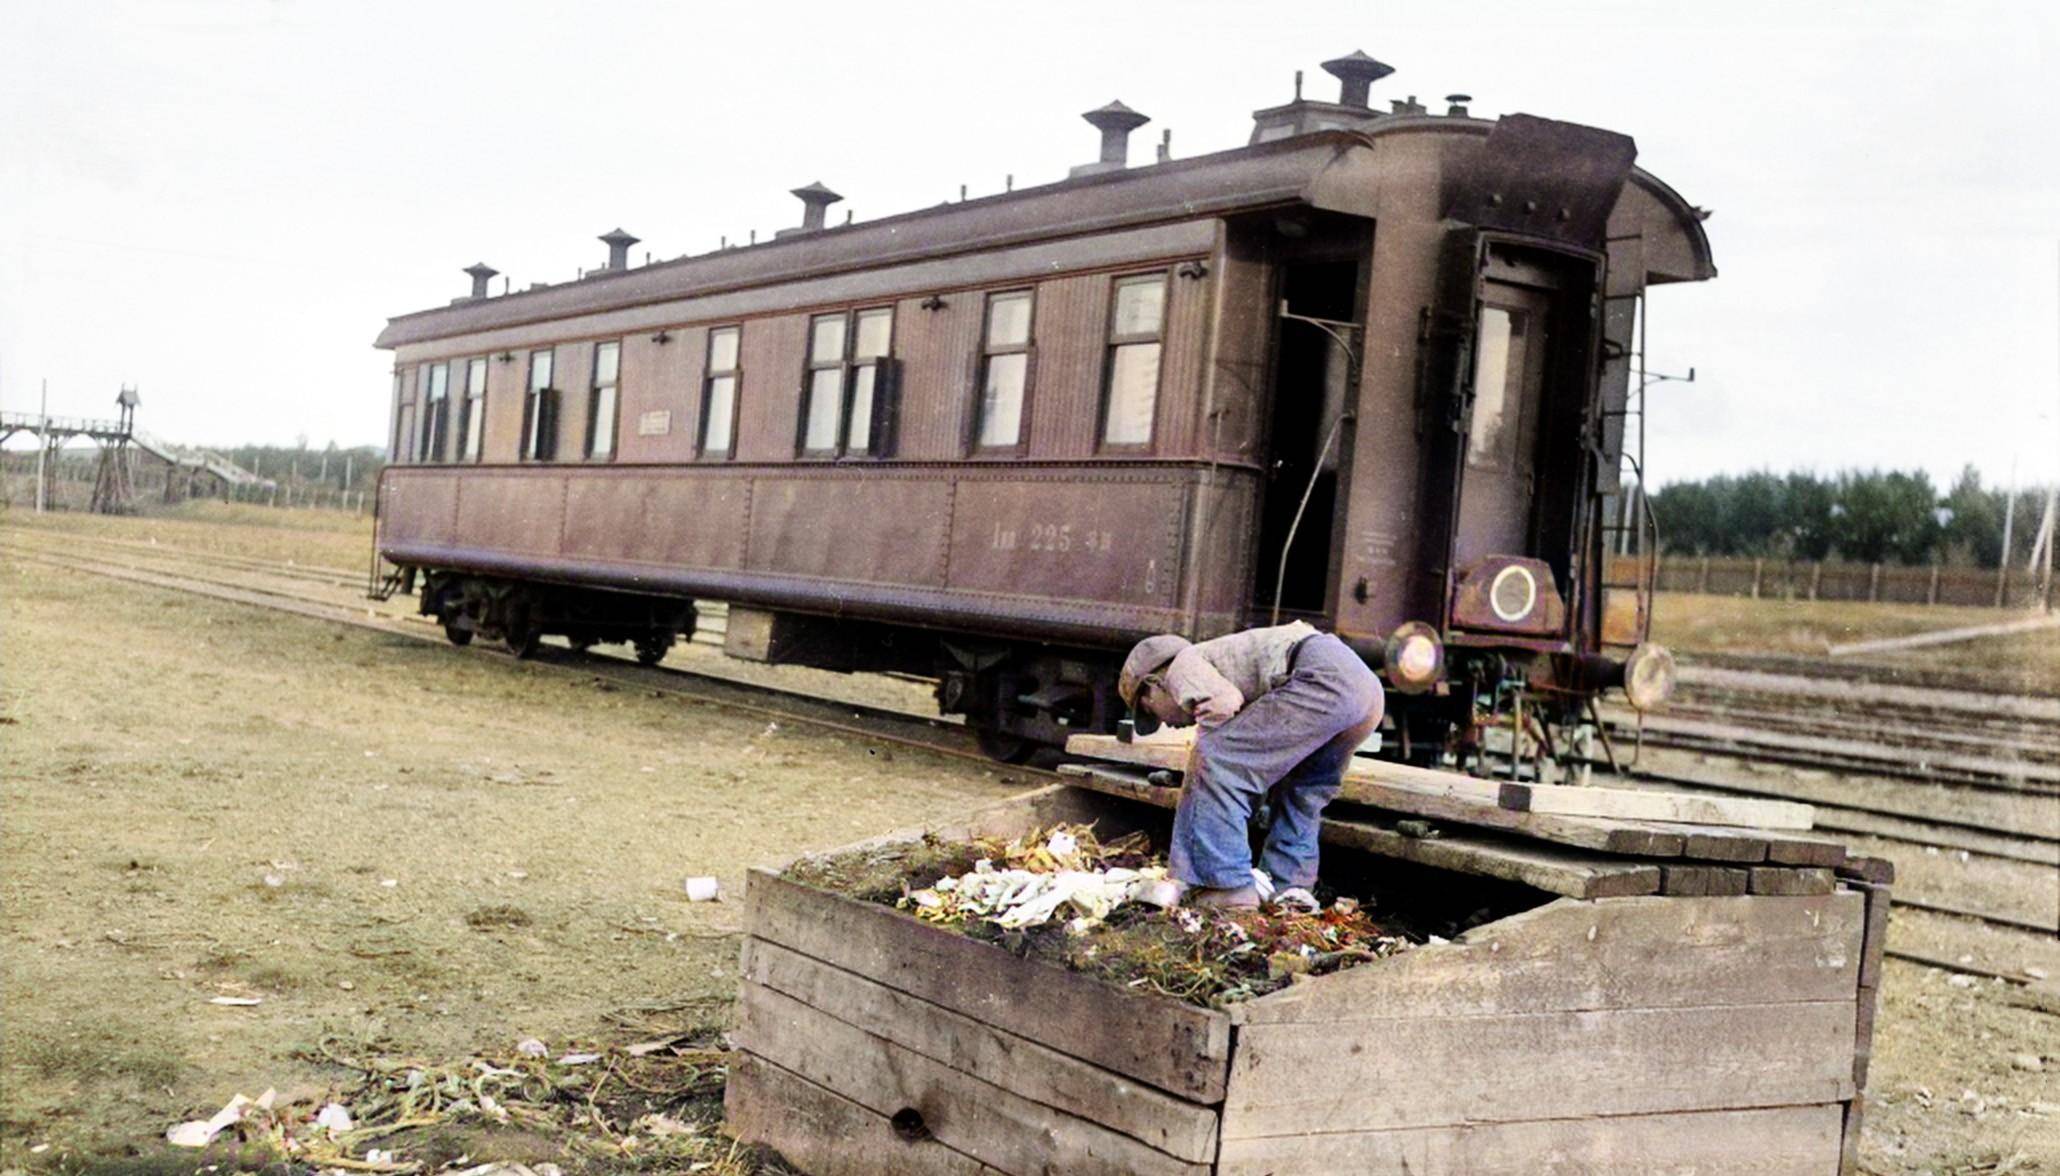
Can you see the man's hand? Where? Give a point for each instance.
(1217, 709)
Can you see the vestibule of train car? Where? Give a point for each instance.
(1525, 470)
(1319, 275)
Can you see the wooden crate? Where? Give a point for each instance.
(1627, 1034)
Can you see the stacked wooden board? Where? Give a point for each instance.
(1682, 996)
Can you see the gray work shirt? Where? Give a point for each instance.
(1216, 678)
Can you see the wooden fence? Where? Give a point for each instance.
(1775, 579)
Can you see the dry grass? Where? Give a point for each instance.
(206, 800)
(317, 538)
(1807, 628)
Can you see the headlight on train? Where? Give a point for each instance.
(1649, 676)
(1414, 657)
(1514, 593)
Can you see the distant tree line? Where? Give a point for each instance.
(1868, 516)
(328, 468)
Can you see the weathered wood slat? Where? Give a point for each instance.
(1174, 1046)
(1547, 867)
(1781, 1141)
(1639, 804)
(1184, 1130)
(1425, 1072)
(1441, 796)
(1790, 880)
(1620, 953)
(982, 1120)
(1690, 879)
(825, 1133)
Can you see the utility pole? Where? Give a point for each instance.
(42, 443)
(2009, 521)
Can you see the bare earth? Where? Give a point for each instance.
(202, 800)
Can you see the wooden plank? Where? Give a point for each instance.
(825, 1133)
(1876, 897)
(1796, 849)
(1791, 880)
(1560, 1066)
(1016, 1064)
(1695, 880)
(1174, 1046)
(1640, 804)
(1879, 871)
(1778, 1141)
(1716, 844)
(1548, 868)
(1849, 1147)
(1617, 953)
(1421, 792)
(994, 1126)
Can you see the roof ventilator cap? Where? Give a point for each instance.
(1115, 121)
(618, 243)
(1356, 73)
(1457, 107)
(815, 203)
(481, 274)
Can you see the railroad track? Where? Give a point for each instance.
(927, 733)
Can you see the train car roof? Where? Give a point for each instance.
(1296, 170)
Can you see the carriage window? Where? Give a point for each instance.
(1005, 369)
(719, 392)
(540, 410)
(436, 387)
(1133, 363)
(601, 404)
(403, 420)
(870, 345)
(845, 356)
(472, 418)
(1488, 434)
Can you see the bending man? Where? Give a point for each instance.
(1281, 710)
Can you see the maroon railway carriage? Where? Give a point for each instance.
(1369, 370)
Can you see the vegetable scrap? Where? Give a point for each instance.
(1063, 896)
(655, 1105)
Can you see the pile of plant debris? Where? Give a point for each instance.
(653, 1105)
(1063, 896)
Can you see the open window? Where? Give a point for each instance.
(436, 388)
(540, 409)
(847, 395)
(472, 416)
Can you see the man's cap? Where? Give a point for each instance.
(1149, 657)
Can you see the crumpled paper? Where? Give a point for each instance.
(1017, 898)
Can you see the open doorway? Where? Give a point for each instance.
(1308, 443)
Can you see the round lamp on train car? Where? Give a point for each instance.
(1513, 594)
(1649, 676)
(1414, 657)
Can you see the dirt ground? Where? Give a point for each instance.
(382, 840)
(388, 842)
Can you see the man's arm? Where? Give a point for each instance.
(1206, 693)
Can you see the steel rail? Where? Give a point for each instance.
(931, 734)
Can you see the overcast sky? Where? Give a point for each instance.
(221, 202)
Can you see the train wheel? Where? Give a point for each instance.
(456, 634)
(652, 648)
(517, 632)
(1003, 747)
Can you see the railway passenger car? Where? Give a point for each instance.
(1369, 370)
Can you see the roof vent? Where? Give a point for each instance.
(1458, 102)
(815, 203)
(481, 273)
(1356, 73)
(618, 243)
(1407, 105)
(1115, 121)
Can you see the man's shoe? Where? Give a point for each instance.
(1242, 898)
(1298, 898)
